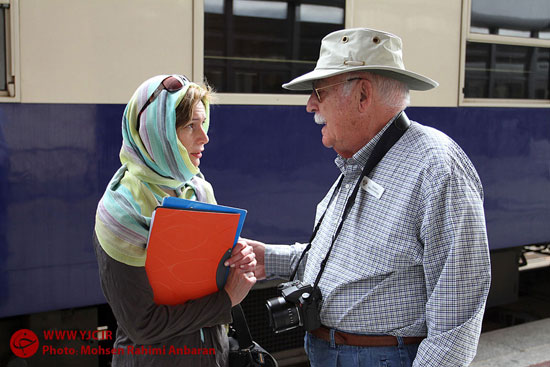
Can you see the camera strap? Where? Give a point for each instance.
(386, 142)
(245, 352)
(241, 327)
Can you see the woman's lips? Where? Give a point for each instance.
(197, 155)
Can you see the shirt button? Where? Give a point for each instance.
(348, 186)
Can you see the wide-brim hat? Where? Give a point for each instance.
(361, 49)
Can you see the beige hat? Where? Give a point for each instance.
(359, 49)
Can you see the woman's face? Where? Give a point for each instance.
(192, 134)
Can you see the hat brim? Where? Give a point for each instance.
(413, 80)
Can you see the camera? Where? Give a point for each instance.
(298, 305)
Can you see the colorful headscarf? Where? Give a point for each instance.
(152, 158)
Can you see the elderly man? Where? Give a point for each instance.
(404, 270)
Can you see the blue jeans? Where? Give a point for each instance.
(324, 354)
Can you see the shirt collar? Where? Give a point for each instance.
(359, 159)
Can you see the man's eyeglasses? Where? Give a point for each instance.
(171, 84)
(332, 85)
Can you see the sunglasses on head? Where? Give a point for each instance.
(171, 84)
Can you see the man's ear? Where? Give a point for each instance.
(365, 94)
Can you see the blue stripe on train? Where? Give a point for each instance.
(56, 159)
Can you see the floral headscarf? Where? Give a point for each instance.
(152, 158)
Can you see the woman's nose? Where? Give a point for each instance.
(203, 136)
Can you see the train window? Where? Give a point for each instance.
(528, 19)
(9, 42)
(244, 54)
(3, 53)
(506, 71)
(508, 50)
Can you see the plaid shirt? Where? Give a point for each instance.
(412, 258)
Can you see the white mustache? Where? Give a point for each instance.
(319, 119)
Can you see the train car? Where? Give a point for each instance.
(68, 67)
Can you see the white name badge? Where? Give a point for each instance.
(372, 187)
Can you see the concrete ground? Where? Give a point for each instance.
(525, 345)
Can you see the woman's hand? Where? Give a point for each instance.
(239, 284)
(242, 257)
(241, 276)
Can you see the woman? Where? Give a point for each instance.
(164, 131)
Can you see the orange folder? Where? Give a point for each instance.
(186, 251)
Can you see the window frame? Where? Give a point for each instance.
(13, 94)
(468, 36)
(242, 98)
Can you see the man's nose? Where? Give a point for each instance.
(312, 103)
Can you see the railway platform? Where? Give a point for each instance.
(525, 345)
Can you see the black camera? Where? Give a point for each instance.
(298, 305)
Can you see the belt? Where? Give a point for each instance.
(363, 340)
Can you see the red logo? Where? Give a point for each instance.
(24, 343)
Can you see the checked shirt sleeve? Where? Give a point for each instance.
(280, 260)
(456, 265)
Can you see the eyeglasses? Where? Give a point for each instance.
(171, 84)
(332, 85)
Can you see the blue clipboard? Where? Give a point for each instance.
(178, 203)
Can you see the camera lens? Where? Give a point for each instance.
(282, 315)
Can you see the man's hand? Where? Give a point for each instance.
(259, 251)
